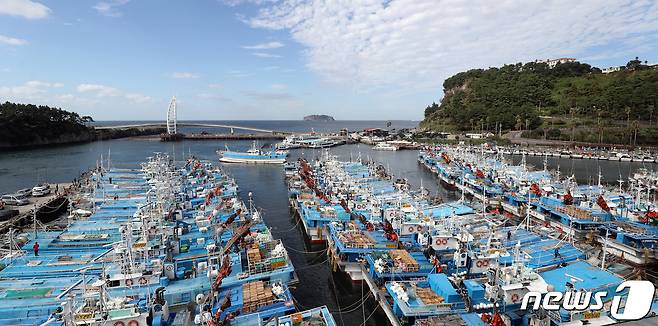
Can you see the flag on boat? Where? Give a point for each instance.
(602, 203)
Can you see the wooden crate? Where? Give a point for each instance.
(255, 295)
(402, 258)
(428, 297)
(356, 239)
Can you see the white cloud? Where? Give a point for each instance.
(138, 98)
(266, 55)
(65, 97)
(184, 75)
(233, 3)
(24, 8)
(239, 74)
(11, 41)
(99, 90)
(264, 46)
(33, 91)
(109, 8)
(28, 89)
(415, 44)
(108, 91)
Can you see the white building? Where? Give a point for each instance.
(610, 69)
(553, 62)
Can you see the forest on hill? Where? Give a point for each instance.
(570, 101)
(32, 125)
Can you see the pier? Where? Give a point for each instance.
(207, 136)
(47, 208)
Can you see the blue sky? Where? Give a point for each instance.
(268, 59)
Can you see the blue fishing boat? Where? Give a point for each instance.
(253, 155)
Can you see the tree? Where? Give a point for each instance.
(22, 124)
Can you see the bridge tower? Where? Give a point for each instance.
(171, 117)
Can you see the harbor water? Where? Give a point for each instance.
(317, 286)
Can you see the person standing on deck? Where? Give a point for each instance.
(557, 253)
(36, 249)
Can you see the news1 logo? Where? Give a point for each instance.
(638, 300)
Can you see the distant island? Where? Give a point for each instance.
(318, 117)
(564, 101)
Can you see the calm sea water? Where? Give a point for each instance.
(318, 285)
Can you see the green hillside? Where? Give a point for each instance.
(32, 125)
(572, 101)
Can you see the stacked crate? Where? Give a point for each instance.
(575, 212)
(356, 239)
(256, 295)
(254, 260)
(402, 259)
(277, 262)
(428, 297)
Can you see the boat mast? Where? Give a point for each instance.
(605, 248)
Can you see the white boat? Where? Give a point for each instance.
(320, 143)
(384, 146)
(290, 142)
(624, 157)
(253, 155)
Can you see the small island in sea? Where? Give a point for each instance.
(318, 117)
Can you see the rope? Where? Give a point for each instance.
(288, 230)
(340, 313)
(351, 308)
(363, 306)
(53, 209)
(307, 252)
(373, 312)
(313, 265)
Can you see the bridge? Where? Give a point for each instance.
(172, 124)
(190, 124)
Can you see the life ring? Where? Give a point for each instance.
(411, 229)
(444, 241)
(515, 297)
(129, 282)
(419, 228)
(479, 263)
(119, 323)
(133, 323)
(547, 224)
(359, 206)
(143, 280)
(170, 268)
(485, 263)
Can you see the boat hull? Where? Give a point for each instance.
(253, 160)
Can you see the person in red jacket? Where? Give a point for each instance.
(36, 248)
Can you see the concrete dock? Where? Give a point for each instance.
(53, 203)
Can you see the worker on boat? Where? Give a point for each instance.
(557, 253)
(36, 248)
